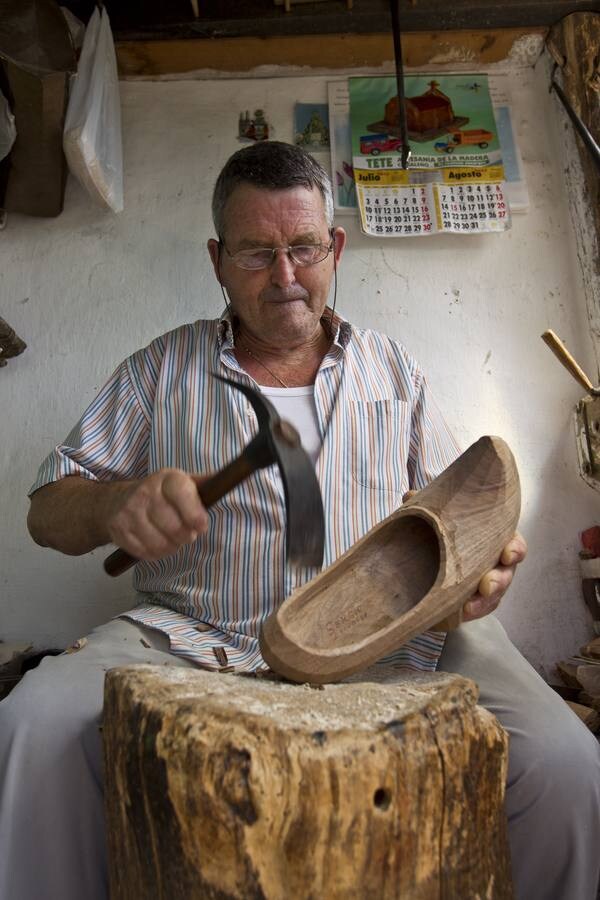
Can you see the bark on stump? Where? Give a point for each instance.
(385, 786)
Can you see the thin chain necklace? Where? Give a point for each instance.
(265, 367)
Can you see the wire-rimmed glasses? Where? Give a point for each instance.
(263, 257)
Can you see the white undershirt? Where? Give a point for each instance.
(297, 405)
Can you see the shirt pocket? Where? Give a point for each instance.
(379, 443)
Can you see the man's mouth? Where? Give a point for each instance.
(285, 297)
(285, 300)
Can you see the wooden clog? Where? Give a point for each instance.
(408, 573)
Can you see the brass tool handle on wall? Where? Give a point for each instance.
(570, 364)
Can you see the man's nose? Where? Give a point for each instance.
(283, 268)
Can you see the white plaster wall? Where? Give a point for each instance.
(89, 287)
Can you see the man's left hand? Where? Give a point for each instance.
(496, 582)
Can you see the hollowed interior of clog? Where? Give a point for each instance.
(376, 584)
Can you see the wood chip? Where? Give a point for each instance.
(587, 700)
(592, 649)
(145, 643)
(203, 627)
(9, 652)
(226, 670)
(568, 673)
(579, 660)
(221, 655)
(588, 716)
(76, 645)
(589, 679)
(262, 673)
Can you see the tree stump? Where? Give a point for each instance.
(219, 786)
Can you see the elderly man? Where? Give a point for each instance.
(128, 473)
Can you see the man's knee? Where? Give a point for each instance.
(556, 768)
(49, 708)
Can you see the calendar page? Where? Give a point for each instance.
(468, 208)
(455, 178)
(397, 210)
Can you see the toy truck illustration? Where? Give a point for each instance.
(474, 137)
(379, 143)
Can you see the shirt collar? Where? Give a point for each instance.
(341, 328)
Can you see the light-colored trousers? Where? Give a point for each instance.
(52, 833)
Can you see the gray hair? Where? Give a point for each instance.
(274, 166)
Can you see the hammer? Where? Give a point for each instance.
(277, 441)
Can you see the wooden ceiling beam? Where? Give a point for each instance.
(333, 51)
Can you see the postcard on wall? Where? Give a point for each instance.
(311, 126)
(344, 191)
(455, 179)
(514, 176)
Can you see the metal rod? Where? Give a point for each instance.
(581, 128)
(405, 152)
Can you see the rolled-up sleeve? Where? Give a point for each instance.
(110, 441)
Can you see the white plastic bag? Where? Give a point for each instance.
(92, 135)
(8, 131)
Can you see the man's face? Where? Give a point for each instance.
(282, 304)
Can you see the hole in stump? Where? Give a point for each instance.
(382, 798)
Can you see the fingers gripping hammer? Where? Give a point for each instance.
(277, 441)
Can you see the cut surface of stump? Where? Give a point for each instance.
(219, 786)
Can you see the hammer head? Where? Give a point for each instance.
(278, 442)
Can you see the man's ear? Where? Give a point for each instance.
(214, 251)
(339, 238)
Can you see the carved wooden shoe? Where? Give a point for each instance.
(408, 573)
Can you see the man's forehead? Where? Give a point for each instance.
(256, 208)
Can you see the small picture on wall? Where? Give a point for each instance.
(253, 126)
(311, 126)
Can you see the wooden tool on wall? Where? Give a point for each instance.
(587, 413)
(10, 344)
(417, 566)
(37, 58)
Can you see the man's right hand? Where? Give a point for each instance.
(149, 518)
(156, 515)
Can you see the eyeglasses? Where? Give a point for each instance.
(263, 257)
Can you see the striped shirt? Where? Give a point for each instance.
(382, 434)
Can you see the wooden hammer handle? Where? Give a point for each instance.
(209, 492)
(561, 352)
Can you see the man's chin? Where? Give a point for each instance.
(294, 320)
